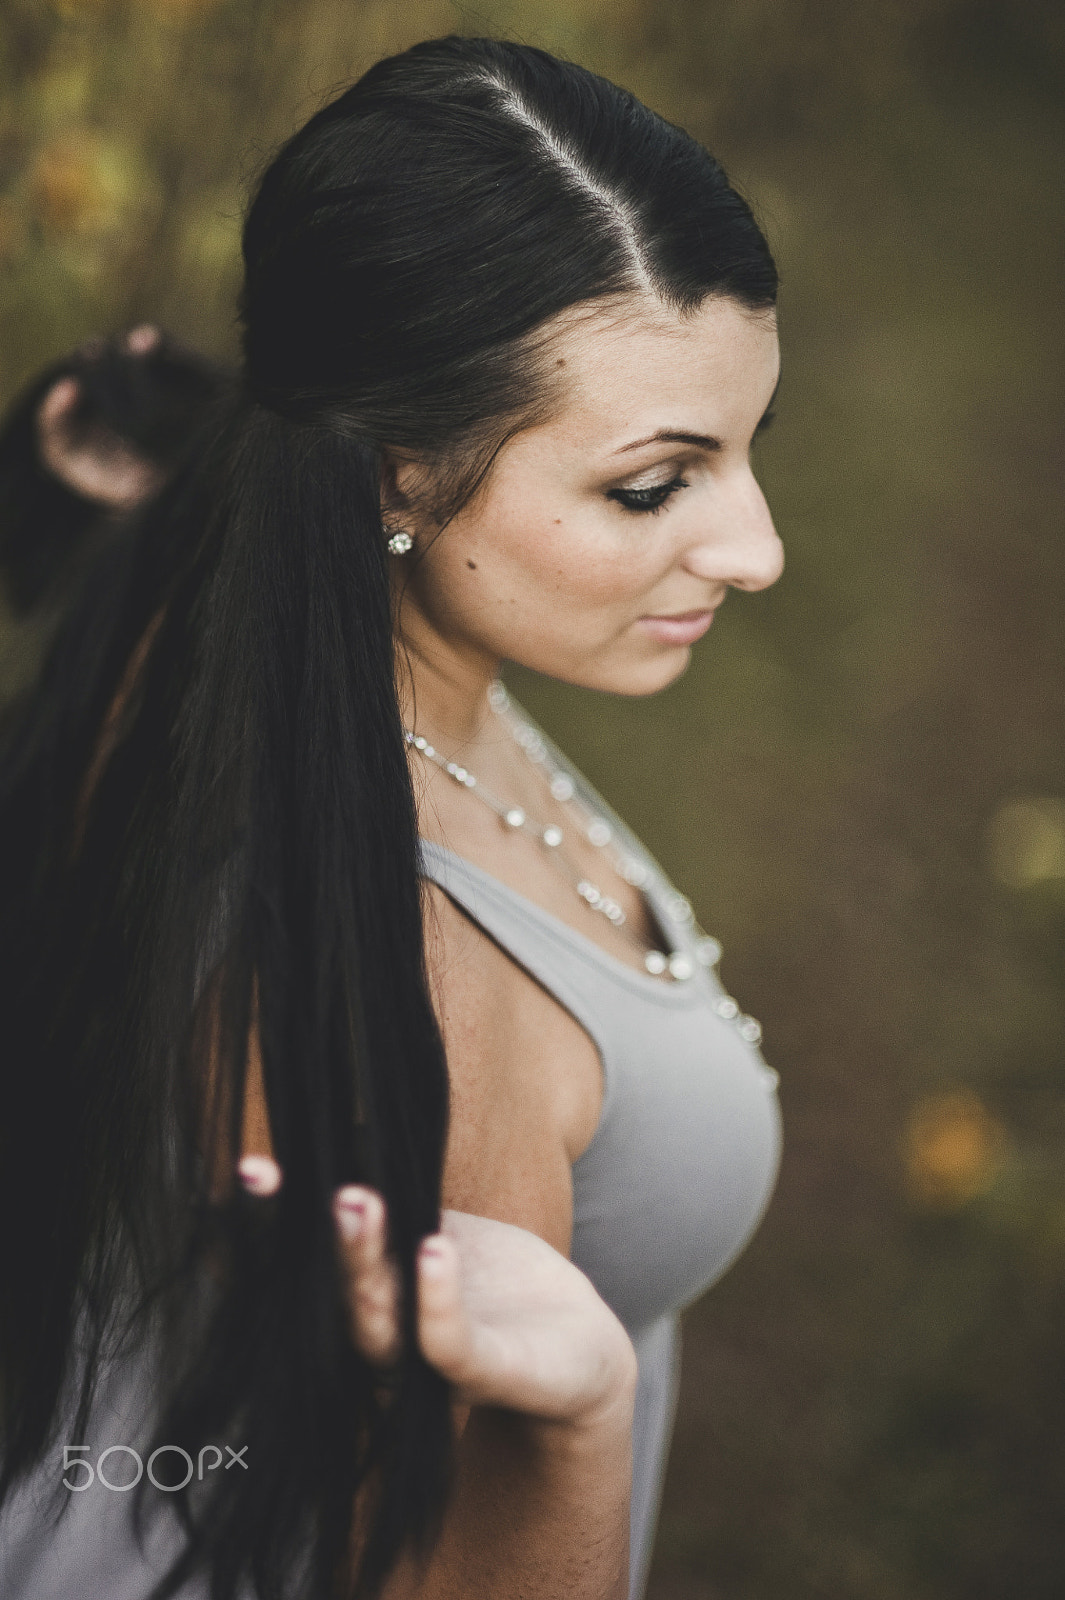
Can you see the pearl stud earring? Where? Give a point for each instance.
(400, 543)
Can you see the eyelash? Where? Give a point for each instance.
(650, 500)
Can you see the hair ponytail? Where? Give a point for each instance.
(259, 823)
(248, 852)
(291, 716)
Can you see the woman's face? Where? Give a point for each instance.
(605, 538)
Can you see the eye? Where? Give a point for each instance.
(650, 499)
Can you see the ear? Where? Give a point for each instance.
(403, 480)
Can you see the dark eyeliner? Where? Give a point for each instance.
(650, 499)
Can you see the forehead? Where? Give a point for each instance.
(628, 369)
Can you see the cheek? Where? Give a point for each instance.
(556, 597)
(553, 588)
(568, 562)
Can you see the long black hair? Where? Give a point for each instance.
(248, 852)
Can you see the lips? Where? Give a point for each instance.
(683, 627)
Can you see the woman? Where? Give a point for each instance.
(508, 338)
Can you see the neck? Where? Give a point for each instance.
(442, 688)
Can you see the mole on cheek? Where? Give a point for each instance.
(472, 565)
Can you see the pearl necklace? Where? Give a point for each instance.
(599, 832)
(551, 837)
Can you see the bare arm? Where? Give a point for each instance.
(541, 1507)
(542, 1371)
(539, 1511)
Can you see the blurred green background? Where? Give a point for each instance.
(860, 781)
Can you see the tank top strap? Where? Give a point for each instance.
(530, 936)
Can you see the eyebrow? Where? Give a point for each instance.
(701, 441)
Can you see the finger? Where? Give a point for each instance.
(58, 403)
(259, 1174)
(371, 1279)
(445, 1334)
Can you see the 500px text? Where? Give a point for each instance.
(74, 1457)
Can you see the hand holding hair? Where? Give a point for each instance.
(503, 1316)
(545, 1457)
(96, 463)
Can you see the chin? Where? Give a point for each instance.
(653, 682)
(638, 679)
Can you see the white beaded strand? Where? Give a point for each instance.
(551, 837)
(598, 831)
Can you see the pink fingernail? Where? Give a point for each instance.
(259, 1175)
(433, 1253)
(351, 1210)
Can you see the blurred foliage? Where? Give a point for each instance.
(860, 781)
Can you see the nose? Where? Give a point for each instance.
(738, 545)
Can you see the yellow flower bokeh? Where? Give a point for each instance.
(953, 1149)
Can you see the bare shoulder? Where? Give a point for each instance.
(526, 1080)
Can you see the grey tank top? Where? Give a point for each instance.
(667, 1193)
(684, 1157)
